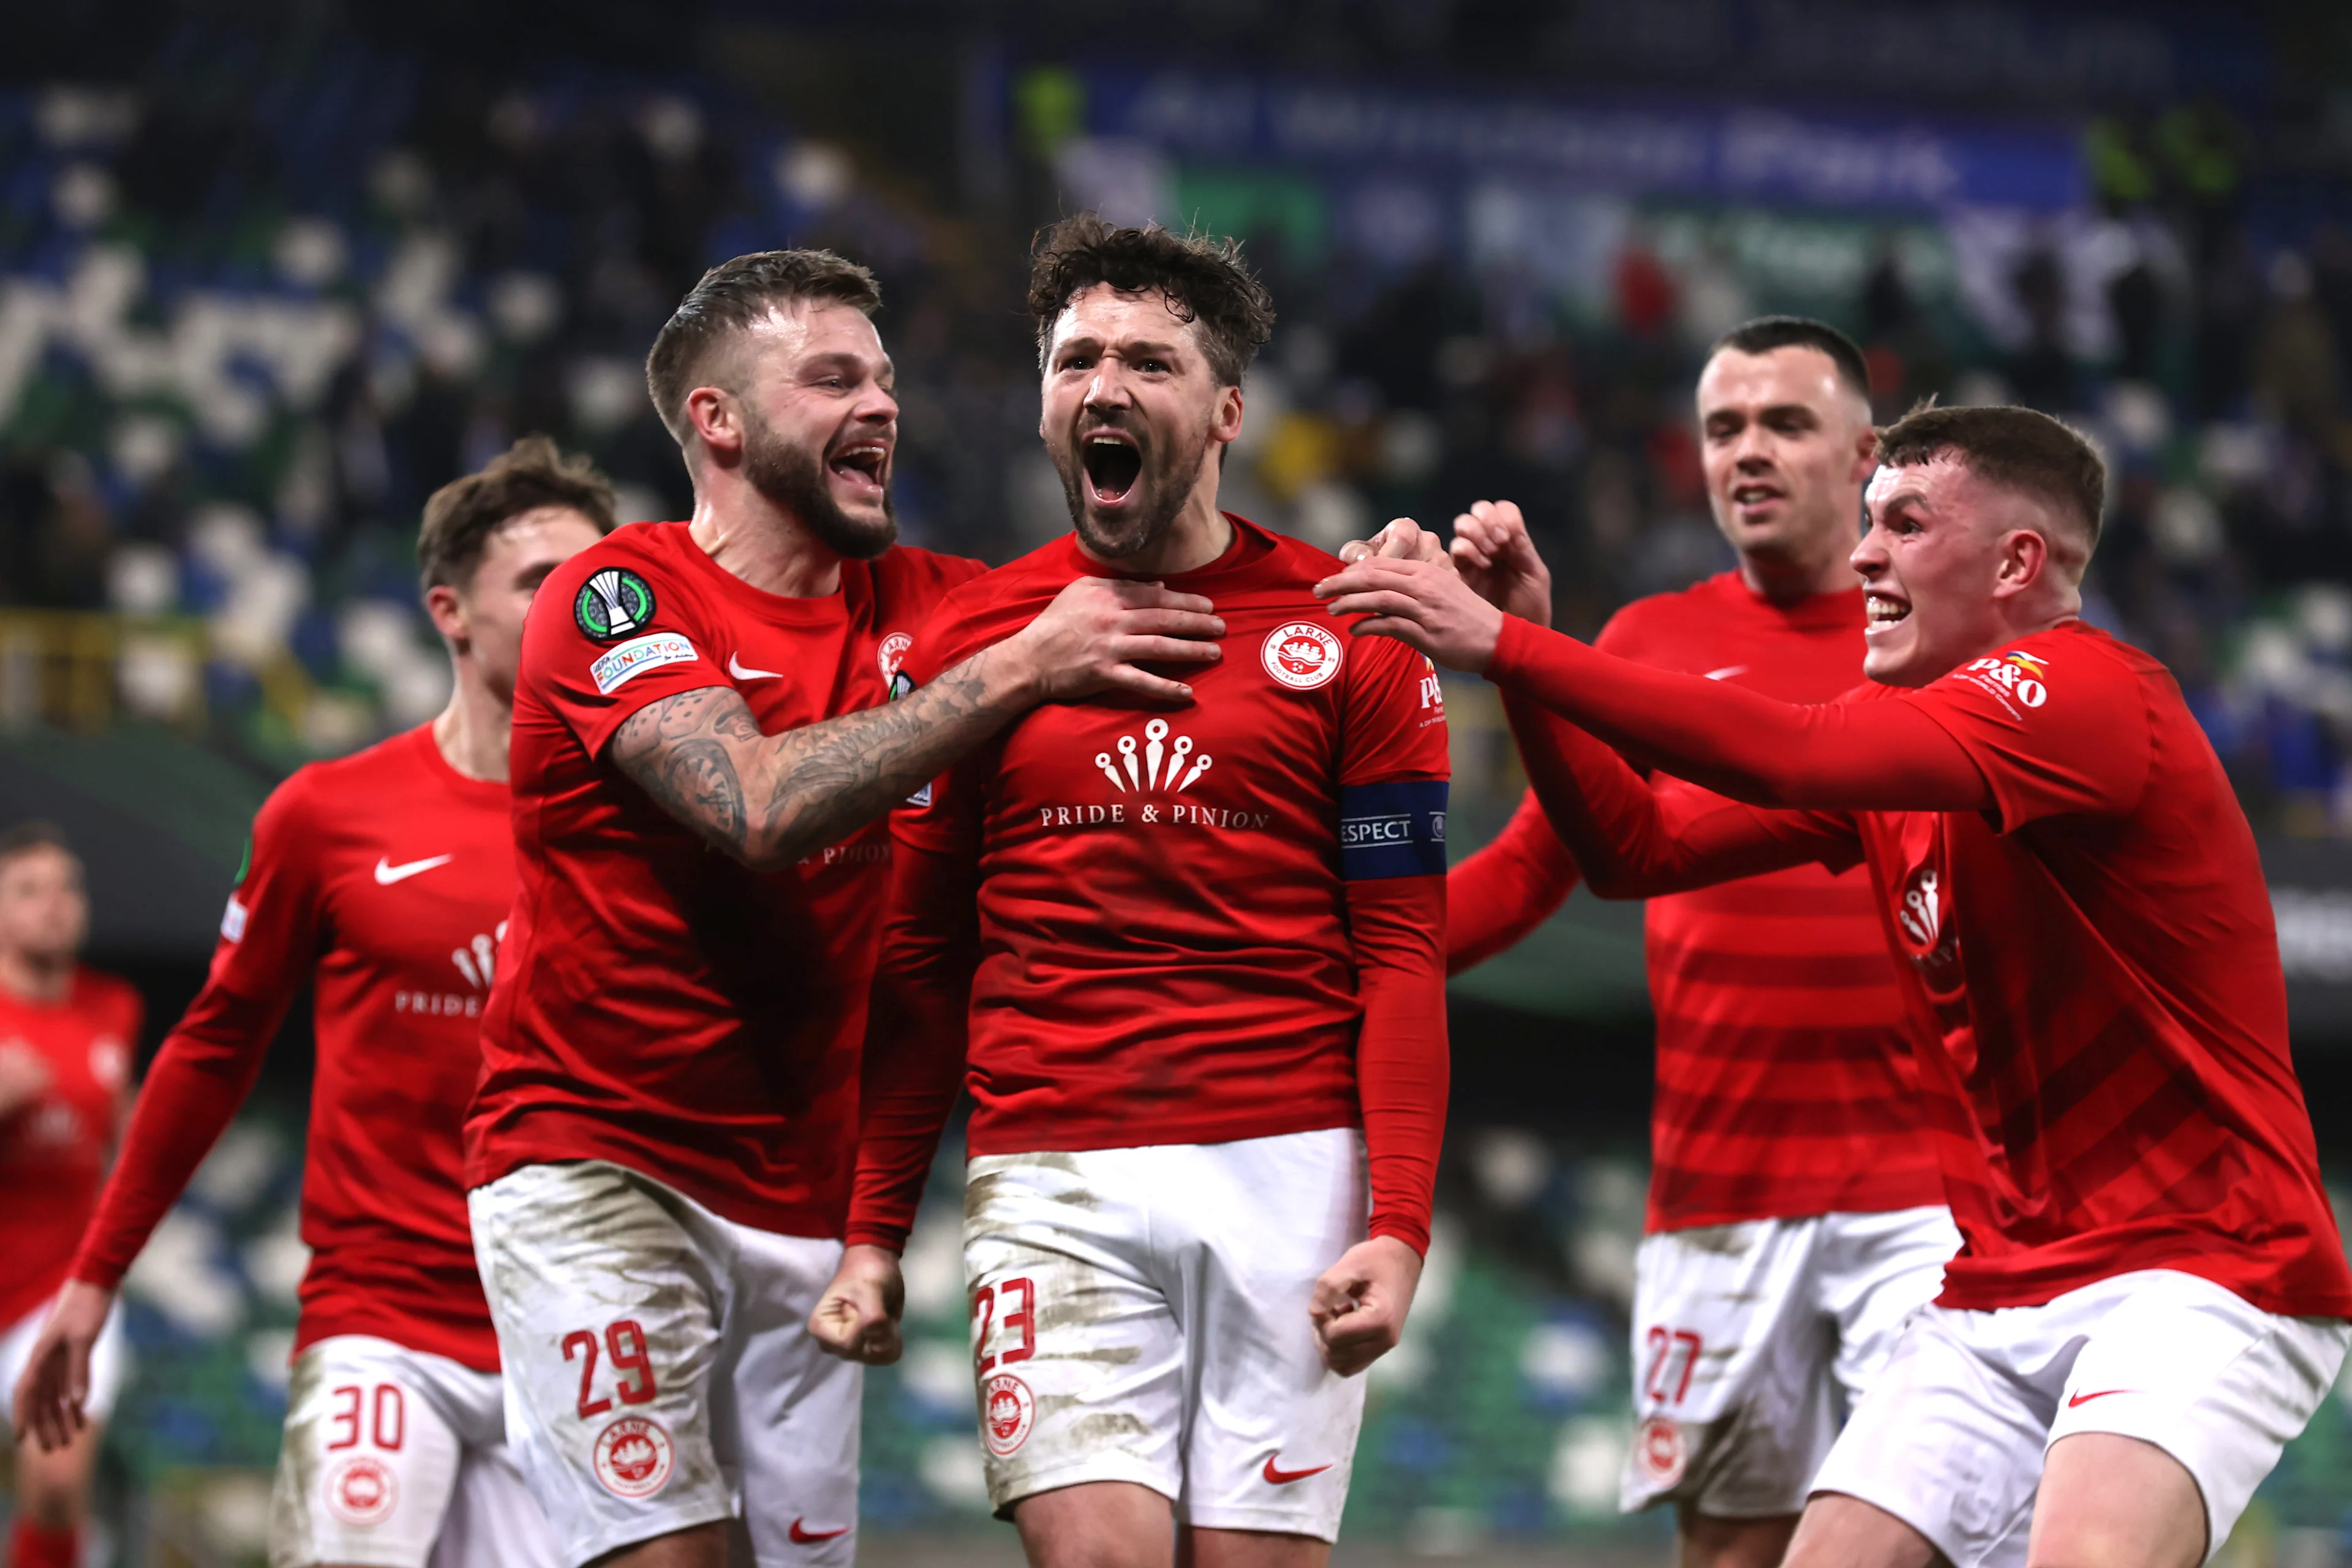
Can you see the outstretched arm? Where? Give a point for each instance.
(1494, 899)
(1867, 756)
(1851, 757)
(1636, 837)
(767, 800)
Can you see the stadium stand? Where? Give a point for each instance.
(255, 304)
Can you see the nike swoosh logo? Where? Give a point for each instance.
(804, 1536)
(1727, 672)
(2086, 1398)
(1284, 1478)
(735, 666)
(386, 873)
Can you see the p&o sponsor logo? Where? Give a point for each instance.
(2024, 676)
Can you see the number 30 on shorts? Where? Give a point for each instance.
(1021, 1321)
(625, 1343)
(386, 1412)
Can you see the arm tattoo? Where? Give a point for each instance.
(769, 799)
(674, 750)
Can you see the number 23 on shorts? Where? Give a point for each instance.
(624, 1345)
(1018, 1326)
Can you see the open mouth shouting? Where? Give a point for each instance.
(1113, 462)
(861, 466)
(1883, 610)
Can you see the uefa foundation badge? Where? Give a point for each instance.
(612, 603)
(633, 1458)
(1301, 654)
(362, 1491)
(1007, 1411)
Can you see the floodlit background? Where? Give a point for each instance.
(271, 273)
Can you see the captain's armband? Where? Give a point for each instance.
(1394, 829)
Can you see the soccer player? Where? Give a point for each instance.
(66, 1037)
(660, 1147)
(1796, 1213)
(1197, 953)
(381, 880)
(2151, 1296)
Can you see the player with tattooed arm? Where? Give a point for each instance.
(660, 1148)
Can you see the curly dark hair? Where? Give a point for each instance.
(460, 517)
(730, 297)
(1202, 277)
(2016, 449)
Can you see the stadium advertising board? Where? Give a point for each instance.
(1631, 146)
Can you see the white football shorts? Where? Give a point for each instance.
(1140, 1315)
(1952, 1437)
(659, 1371)
(108, 1357)
(1751, 1341)
(397, 1458)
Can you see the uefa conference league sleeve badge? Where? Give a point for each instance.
(614, 603)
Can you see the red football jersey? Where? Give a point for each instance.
(1785, 1083)
(662, 1006)
(2097, 961)
(1163, 927)
(381, 879)
(53, 1150)
(2089, 960)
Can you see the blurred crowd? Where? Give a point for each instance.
(250, 316)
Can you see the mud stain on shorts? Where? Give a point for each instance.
(1107, 1428)
(1075, 1308)
(1098, 1429)
(980, 1191)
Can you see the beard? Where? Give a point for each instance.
(1162, 484)
(794, 479)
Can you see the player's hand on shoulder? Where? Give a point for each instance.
(1360, 1302)
(1098, 629)
(1495, 555)
(54, 1384)
(1402, 539)
(856, 1319)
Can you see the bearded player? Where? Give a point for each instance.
(2152, 1295)
(660, 1148)
(1796, 1213)
(1190, 965)
(382, 881)
(66, 1037)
